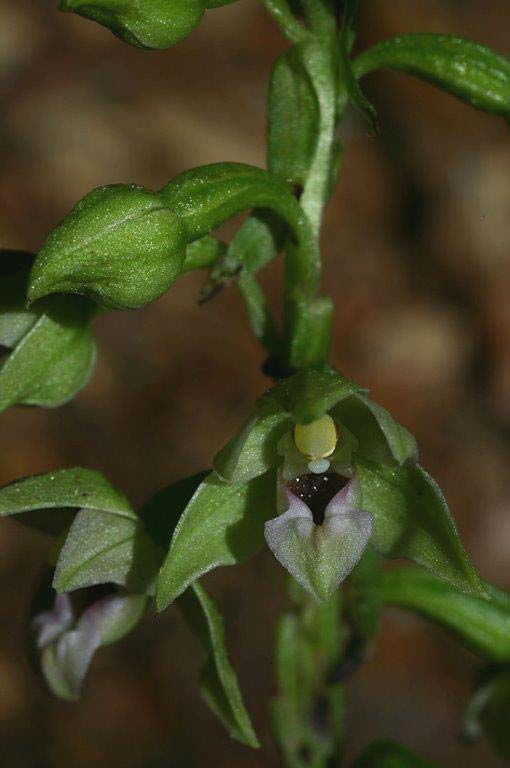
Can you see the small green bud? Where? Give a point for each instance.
(120, 245)
(147, 24)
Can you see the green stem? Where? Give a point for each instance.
(320, 57)
(308, 713)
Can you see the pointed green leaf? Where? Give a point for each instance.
(468, 70)
(412, 519)
(483, 625)
(120, 245)
(218, 684)
(150, 24)
(389, 754)
(54, 358)
(223, 524)
(40, 498)
(380, 437)
(104, 547)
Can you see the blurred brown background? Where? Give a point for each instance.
(417, 256)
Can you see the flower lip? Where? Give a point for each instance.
(316, 491)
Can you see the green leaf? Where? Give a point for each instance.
(380, 437)
(223, 524)
(468, 70)
(389, 754)
(40, 498)
(119, 245)
(254, 449)
(218, 683)
(54, 360)
(307, 715)
(312, 392)
(293, 118)
(349, 80)
(147, 24)
(412, 519)
(105, 547)
(482, 625)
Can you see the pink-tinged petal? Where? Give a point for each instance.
(346, 499)
(320, 557)
(66, 658)
(51, 624)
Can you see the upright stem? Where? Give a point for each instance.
(321, 55)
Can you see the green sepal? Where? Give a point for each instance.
(310, 393)
(380, 437)
(293, 118)
(468, 70)
(223, 524)
(218, 682)
(44, 500)
(105, 547)
(412, 519)
(480, 624)
(254, 449)
(120, 245)
(301, 398)
(348, 77)
(153, 24)
(389, 754)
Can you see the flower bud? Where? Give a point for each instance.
(147, 24)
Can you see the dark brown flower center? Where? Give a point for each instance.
(317, 491)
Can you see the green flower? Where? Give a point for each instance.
(318, 471)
